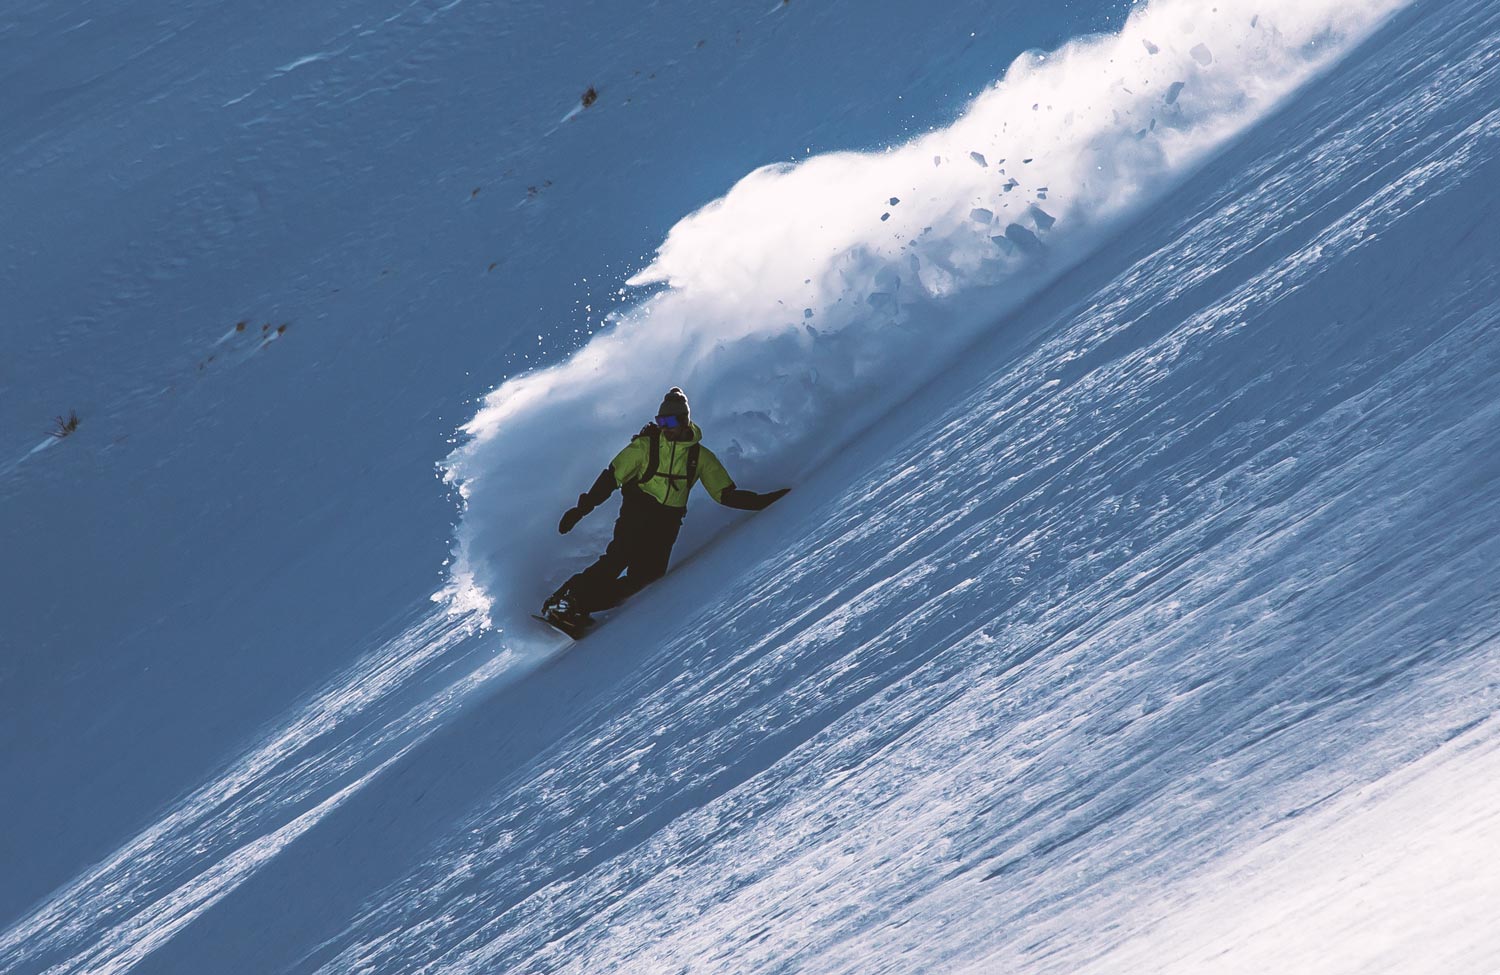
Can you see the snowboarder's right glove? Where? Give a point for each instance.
(603, 487)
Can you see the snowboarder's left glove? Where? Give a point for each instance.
(771, 497)
(750, 501)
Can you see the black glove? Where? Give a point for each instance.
(773, 497)
(570, 518)
(749, 500)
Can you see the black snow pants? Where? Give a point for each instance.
(641, 548)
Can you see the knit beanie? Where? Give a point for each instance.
(674, 404)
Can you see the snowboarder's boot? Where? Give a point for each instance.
(559, 612)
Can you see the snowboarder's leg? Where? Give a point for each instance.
(594, 587)
(589, 590)
(641, 547)
(648, 560)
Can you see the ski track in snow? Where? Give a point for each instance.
(1420, 833)
(1191, 576)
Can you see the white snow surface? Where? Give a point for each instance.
(1135, 609)
(1402, 850)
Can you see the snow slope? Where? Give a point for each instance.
(244, 515)
(1159, 633)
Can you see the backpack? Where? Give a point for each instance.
(653, 458)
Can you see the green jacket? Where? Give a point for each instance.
(670, 485)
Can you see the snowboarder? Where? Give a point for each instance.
(654, 472)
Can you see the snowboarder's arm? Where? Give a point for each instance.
(604, 486)
(628, 465)
(719, 485)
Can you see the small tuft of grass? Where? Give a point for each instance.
(63, 427)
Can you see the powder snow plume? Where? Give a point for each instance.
(816, 296)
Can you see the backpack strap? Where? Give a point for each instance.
(653, 457)
(692, 471)
(653, 452)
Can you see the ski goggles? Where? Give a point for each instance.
(671, 422)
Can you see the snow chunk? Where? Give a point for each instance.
(1174, 91)
(1023, 239)
(1202, 55)
(1150, 48)
(1040, 217)
(979, 158)
(895, 200)
(981, 215)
